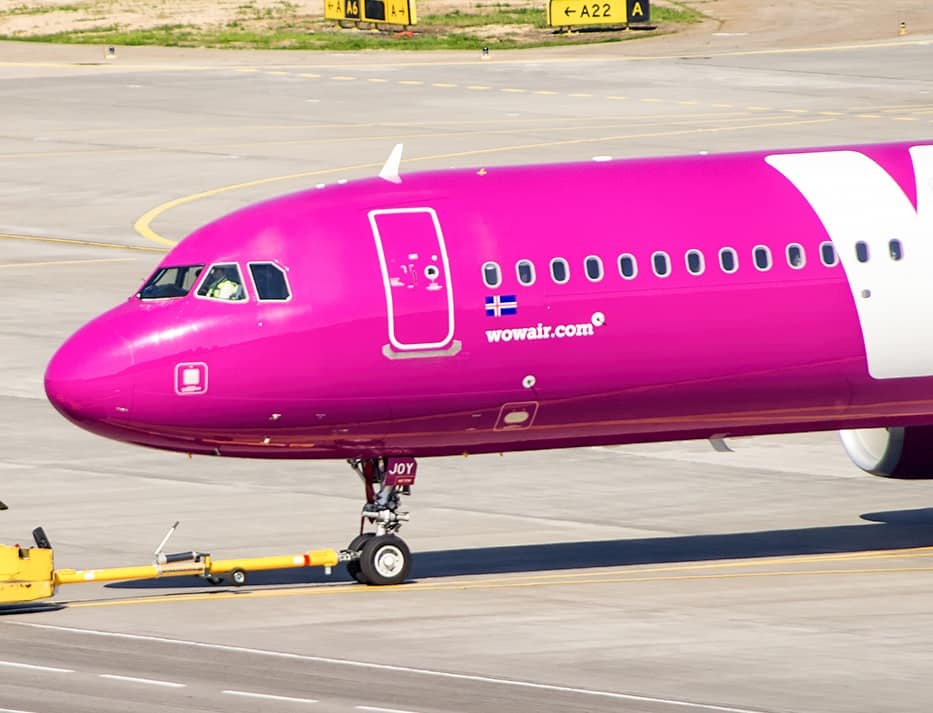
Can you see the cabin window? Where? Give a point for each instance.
(270, 281)
(628, 268)
(525, 271)
(560, 271)
(762, 256)
(223, 282)
(169, 282)
(695, 263)
(594, 268)
(861, 251)
(796, 257)
(492, 276)
(728, 260)
(661, 263)
(896, 249)
(828, 254)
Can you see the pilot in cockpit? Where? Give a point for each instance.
(224, 283)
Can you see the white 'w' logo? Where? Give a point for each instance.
(858, 201)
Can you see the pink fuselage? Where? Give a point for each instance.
(682, 356)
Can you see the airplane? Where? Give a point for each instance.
(496, 309)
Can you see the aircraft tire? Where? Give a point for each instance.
(385, 560)
(353, 567)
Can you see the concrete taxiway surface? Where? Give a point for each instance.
(645, 578)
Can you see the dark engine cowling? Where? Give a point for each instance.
(899, 452)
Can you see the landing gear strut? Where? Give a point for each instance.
(381, 557)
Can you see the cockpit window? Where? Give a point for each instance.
(270, 281)
(223, 282)
(170, 282)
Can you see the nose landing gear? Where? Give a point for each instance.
(382, 557)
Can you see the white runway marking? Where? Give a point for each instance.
(376, 709)
(270, 697)
(145, 681)
(34, 667)
(13, 710)
(400, 669)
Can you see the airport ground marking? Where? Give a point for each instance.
(630, 574)
(143, 225)
(13, 710)
(433, 673)
(269, 696)
(377, 709)
(35, 667)
(669, 119)
(212, 130)
(499, 60)
(304, 126)
(57, 263)
(521, 120)
(80, 243)
(142, 681)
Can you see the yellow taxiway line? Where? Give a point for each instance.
(143, 225)
(722, 571)
(80, 243)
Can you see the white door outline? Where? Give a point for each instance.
(386, 279)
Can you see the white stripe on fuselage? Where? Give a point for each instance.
(857, 200)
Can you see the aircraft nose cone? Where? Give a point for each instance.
(88, 378)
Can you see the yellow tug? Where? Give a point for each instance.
(28, 574)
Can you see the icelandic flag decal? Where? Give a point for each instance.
(501, 305)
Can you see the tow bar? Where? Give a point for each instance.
(27, 574)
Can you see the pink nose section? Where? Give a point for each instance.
(88, 378)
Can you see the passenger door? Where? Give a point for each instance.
(416, 277)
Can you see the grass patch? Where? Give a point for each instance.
(502, 15)
(679, 14)
(326, 39)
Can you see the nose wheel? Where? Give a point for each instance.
(381, 558)
(384, 559)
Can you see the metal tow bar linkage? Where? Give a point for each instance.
(27, 574)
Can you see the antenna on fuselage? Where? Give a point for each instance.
(389, 171)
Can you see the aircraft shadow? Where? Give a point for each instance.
(29, 608)
(899, 529)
